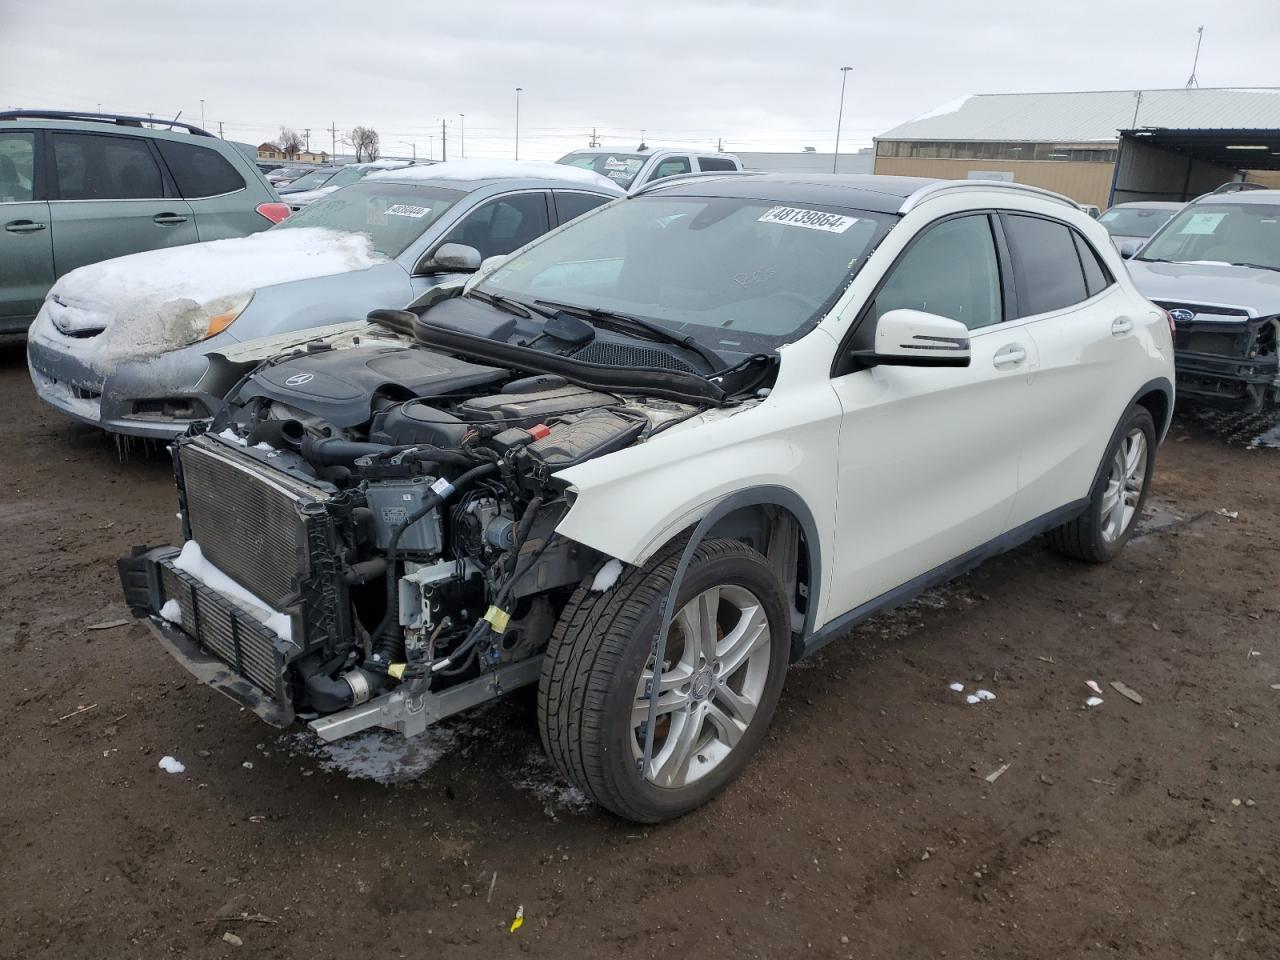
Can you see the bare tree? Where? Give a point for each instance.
(290, 143)
(365, 142)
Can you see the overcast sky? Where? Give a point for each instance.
(762, 74)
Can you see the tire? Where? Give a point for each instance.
(591, 689)
(1093, 536)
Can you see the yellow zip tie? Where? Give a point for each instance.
(498, 619)
(396, 670)
(518, 922)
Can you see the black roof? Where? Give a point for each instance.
(865, 191)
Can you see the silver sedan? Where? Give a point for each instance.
(136, 348)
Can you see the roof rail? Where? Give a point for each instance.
(929, 191)
(695, 175)
(122, 120)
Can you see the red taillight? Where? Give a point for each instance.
(274, 211)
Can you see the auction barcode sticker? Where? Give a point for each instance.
(811, 219)
(408, 210)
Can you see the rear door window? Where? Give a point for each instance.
(715, 164)
(503, 225)
(96, 167)
(571, 204)
(1047, 268)
(199, 171)
(17, 166)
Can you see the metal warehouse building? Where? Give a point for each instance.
(1099, 147)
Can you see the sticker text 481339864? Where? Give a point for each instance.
(809, 219)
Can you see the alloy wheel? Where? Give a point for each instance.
(714, 672)
(1124, 485)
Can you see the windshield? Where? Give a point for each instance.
(1135, 221)
(346, 175)
(313, 180)
(393, 215)
(621, 168)
(1242, 233)
(736, 274)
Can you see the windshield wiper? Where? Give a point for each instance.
(506, 304)
(656, 331)
(1256, 266)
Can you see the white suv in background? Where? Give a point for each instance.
(635, 169)
(669, 449)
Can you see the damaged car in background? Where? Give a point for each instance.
(137, 345)
(653, 458)
(1215, 267)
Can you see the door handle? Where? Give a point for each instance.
(168, 218)
(1010, 356)
(1120, 326)
(23, 226)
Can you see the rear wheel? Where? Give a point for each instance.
(1115, 505)
(716, 690)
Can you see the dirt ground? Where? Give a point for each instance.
(870, 826)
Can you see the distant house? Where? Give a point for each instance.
(273, 151)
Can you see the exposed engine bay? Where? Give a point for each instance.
(396, 507)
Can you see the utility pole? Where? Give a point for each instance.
(202, 113)
(1191, 80)
(462, 135)
(719, 144)
(844, 76)
(518, 89)
(220, 136)
(444, 140)
(333, 133)
(306, 134)
(431, 148)
(595, 142)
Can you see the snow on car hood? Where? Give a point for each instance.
(149, 303)
(1208, 282)
(498, 170)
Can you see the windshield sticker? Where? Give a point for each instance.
(810, 219)
(408, 210)
(1203, 223)
(630, 166)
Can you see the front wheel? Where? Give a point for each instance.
(721, 675)
(1116, 502)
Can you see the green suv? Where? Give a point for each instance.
(78, 188)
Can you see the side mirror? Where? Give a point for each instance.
(451, 258)
(912, 338)
(1128, 248)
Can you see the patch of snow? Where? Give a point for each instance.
(171, 611)
(971, 699)
(232, 437)
(159, 300)
(951, 106)
(499, 170)
(606, 576)
(1093, 702)
(957, 687)
(171, 765)
(191, 560)
(985, 695)
(303, 197)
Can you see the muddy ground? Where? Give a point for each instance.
(866, 828)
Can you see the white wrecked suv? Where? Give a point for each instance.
(654, 457)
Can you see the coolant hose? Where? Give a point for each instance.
(281, 434)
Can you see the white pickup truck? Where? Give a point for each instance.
(633, 169)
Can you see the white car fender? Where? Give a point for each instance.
(629, 503)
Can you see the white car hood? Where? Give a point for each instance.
(304, 197)
(149, 303)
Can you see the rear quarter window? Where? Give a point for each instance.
(199, 171)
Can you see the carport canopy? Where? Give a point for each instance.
(1179, 165)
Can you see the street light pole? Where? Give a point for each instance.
(202, 113)
(462, 136)
(835, 159)
(518, 89)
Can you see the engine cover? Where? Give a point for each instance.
(339, 386)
